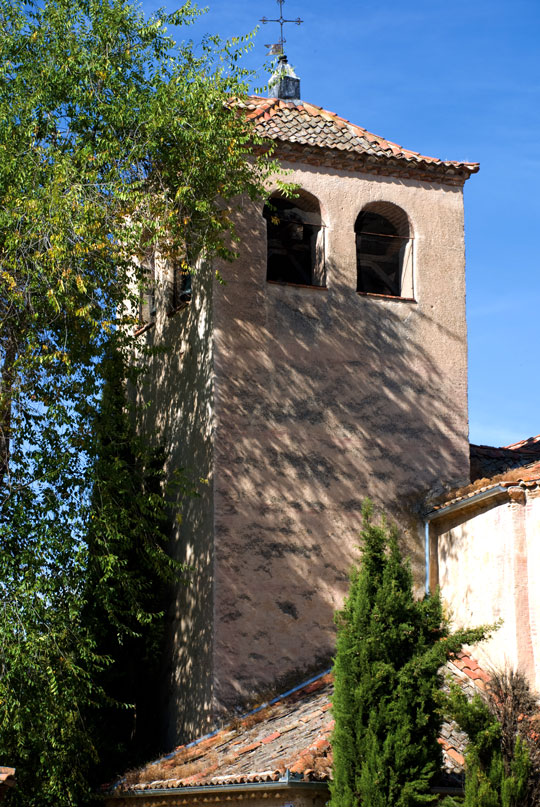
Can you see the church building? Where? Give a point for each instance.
(331, 366)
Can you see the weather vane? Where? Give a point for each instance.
(277, 49)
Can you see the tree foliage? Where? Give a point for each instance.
(113, 140)
(503, 755)
(390, 647)
(127, 574)
(110, 143)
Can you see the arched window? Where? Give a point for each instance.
(295, 240)
(383, 251)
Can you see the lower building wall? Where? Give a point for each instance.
(489, 567)
(286, 797)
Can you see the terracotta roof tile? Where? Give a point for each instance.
(527, 476)
(487, 461)
(7, 780)
(265, 744)
(310, 125)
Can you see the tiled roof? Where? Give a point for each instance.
(486, 461)
(465, 671)
(527, 476)
(7, 780)
(530, 443)
(307, 125)
(286, 739)
(291, 733)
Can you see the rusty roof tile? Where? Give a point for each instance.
(304, 123)
(267, 750)
(525, 476)
(246, 748)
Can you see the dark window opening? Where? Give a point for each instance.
(383, 255)
(147, 297)
(182, 286)
(295, 241)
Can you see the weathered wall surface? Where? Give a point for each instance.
(489, 567)
(176, 411)
(261, 797)
(324, 397)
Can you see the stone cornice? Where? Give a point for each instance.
(454, 174)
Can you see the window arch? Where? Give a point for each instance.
(295, 240)
(384, 251)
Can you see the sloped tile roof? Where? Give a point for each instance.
(487, 461)
(527, 476)
(529, 444)
(289, 737)
(304, 124)
(291, 733)
(7, 780)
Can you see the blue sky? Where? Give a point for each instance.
(456, 81)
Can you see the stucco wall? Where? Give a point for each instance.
(489, 567)
(324, 397)
(295, 404)
(176, 411)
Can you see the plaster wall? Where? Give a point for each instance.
(175, 397)
(323, 397)
(489, 565)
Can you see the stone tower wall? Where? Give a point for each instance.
(176, 411)
(323, 397)
(295, 404)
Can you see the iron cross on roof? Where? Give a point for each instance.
(277, 49)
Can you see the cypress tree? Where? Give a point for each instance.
(389, 649)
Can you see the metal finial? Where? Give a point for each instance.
(278, 49)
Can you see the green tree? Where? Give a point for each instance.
(390, 647)
(503, 755)
(113, 140)
(126, 577)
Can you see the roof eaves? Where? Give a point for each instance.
(289, 783)
(524, 476)
(476, 496)
(461, 502)
(369, 155)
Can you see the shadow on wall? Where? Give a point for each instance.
(322, 397)
(176, 410)
(491, 540)
(295, 404)
(454, 537)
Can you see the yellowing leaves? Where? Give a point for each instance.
(8, 280)
(52, 298)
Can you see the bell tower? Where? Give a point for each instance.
(331, 366)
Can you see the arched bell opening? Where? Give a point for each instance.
(295, 240)
(384, 255)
